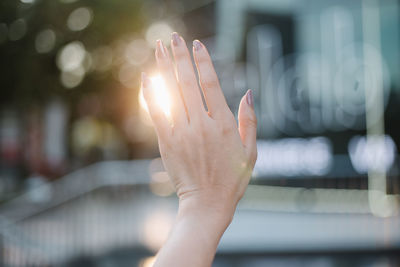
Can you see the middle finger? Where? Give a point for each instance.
(187, 78)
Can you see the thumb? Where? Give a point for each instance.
(248, 125)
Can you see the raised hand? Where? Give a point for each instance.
(208, 157)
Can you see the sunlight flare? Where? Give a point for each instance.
(161, 95)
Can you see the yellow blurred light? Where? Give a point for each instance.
(137, 52)
(148, 262)
(161, 185)
(161, 95)
(159, 30)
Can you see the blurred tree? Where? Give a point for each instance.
(28, 76)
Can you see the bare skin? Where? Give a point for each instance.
(208, 157)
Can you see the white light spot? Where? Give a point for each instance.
(102, 58)
(125, 75)
(161, 95)
(137, 52)
(71, 79)
(156, 229)
(79, 19)
(45, 41)
(294, 157)
(158, 30)
(71, 56)
(375, 152)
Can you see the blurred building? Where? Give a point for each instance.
(79, 185)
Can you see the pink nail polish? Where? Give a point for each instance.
(176, 39)
(250, 98)
(197, 45)
(161, 48)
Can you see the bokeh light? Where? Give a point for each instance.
(147, 262)
(102, 58)
(73, 77)
(159, 30)
(17, 30)
(79, 19)
(81, 178)
(294, 157)
(162, 99)
(161, 95)
(125, 75)
(161, 184)
(137, 52)
(156, 229)
(45, 41)
(377, 153)
(73, 61)
(71, 56)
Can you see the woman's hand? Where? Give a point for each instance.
(208, 157)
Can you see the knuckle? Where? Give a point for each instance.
(200, 128)
(186, 83)
(229, 119)
(209, 82)
(228, 128)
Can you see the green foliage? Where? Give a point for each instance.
(28, 77)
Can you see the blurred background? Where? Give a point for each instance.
(81, 181)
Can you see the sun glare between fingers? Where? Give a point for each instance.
(161, 95)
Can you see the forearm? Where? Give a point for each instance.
(195, 236)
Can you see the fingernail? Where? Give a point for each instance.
(161, 48)
(176, 39)
(250, 98)
(145, 80)
(196, 45)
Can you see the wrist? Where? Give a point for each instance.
(214, 209)
(201, 221)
